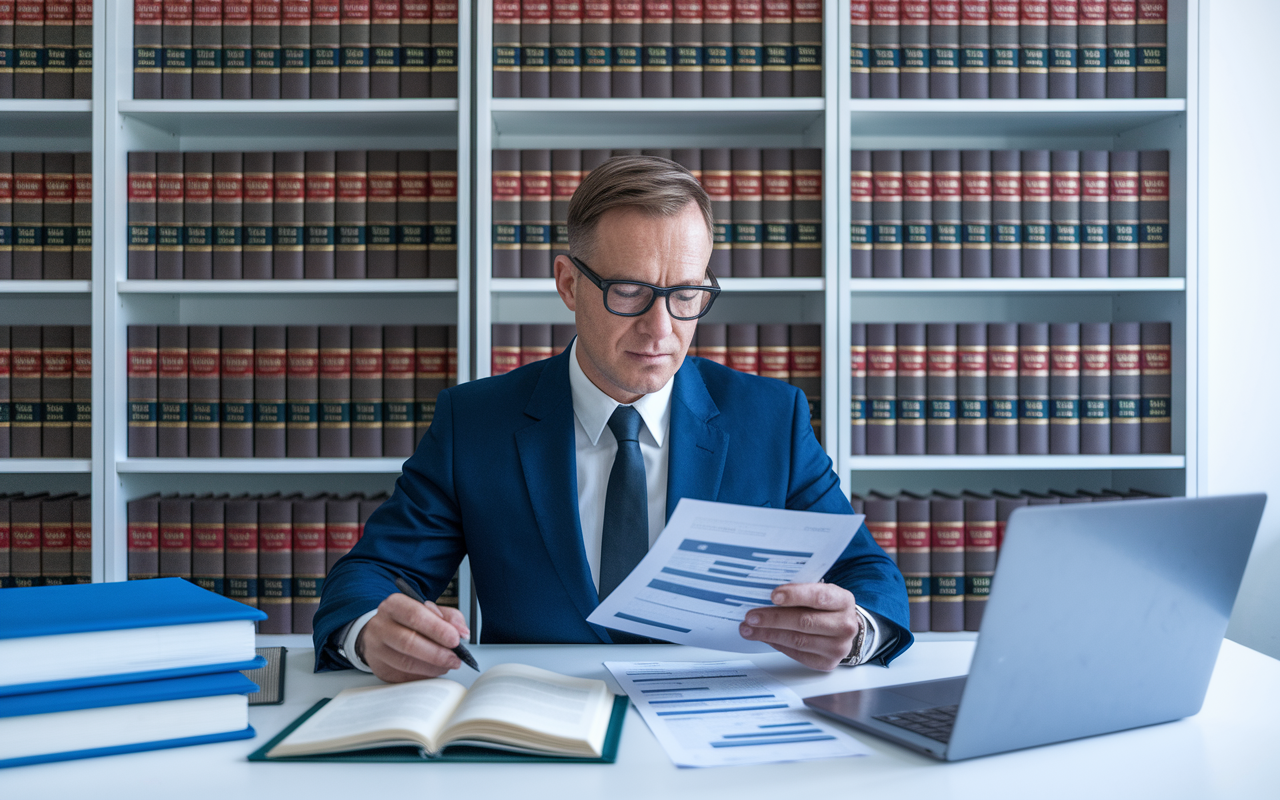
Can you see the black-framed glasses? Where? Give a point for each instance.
(633, 298)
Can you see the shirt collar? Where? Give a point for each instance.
(593, 408)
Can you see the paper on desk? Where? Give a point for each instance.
(713, 563)
(717, 713)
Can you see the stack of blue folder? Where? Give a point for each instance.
(98, 669)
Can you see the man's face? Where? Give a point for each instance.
(631, 356)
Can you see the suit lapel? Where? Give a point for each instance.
(698, 446)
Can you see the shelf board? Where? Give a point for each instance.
(646, 117)
(45, 119)
(754, 285)
(297, 118)
(45, 465)
(1015, 285)
(992, 463)
(915, 118)
(261, 466)
(45, 287)
(287, 287)
(25, 106)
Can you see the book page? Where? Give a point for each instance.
(534, 708)
(372, 716)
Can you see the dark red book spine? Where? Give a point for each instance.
(27, 360)
(237, 49)
(143, 535)
(82, 56)
(228, 216)
(57, 231)
(415, 48)
(275, 565)
(442, 214)
(748, 48)
(55, 540)
(6, 380)
(744, 348)
(237, 391)
(748, 212)
(81, 234)
(309, 566)
(777, 51)
(6, 537)
(26, 535)
(411, 214)
(56, 410)
(172, 403)
(398, 405)
(535, 343)
(175, 537)
(352, 189)
(270, 374)
(59, 49)
(805, 367)
(366, 391)
(657, 32)
(204, 391)
(302, 388)
(6, 214)
(444, 48)
(717, 49)
(142, 375)
(81, 392)
(326, 40)
(806, 211)
(335, 391)
(597, 48)
(241, 558)
(208, 543)
(686, 48)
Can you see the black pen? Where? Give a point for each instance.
(460, 651)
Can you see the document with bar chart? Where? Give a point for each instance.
(714, 562)
(717, 713)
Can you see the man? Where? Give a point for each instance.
(557, 477)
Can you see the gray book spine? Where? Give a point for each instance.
(1122, 210)
(861, 236)
(241, 560)
(411, 214)
(270, 374)
(366, 391)
(561, 337)
(172, 405)
(442, 215)
(177, 59)
(82, 220)
(354, 54)
(535, 343)
(228, 216)
(259, 222)
(295, 49)
(971, 385)
(6, 214)
(946, 562)
(944, 42)
(1037, 223)
(947, 213)
(1005, 48)
(175, 537)
(917, 214)
(288, 216)
(806, 210)
(81, 540)
(979, 556)
(398, 405)
(384, 56)
(335, 391)
(1153, 213)
(237, 49)
(806, 53)
(566, 175)
(208, 543)
(858, 408)
(717, 179)
(535, 48)
(942, 389)
(302, 391)
(1033, 388)
(506, 214)
(597, 48)
(566, 48)
(912, 388)
(1157, 385)
(380, 214)
(860, 48)
(351, 195)
(1122, 48)
(143, 533)
(1065, 213)
(1095, 388)
(27, 370)
(1002, 388)
(748, 48)
(748, 211)
(744, 348)
(505, 348)
(975, 48)
(6, 380)
(81, 393)
(1095, 224)
(1064, 388)
(687, 50)
(444, 48)
(415, 46)
(1005, 505)
(776, 189)
(57, 411)
(886, 49)
(882, 522)
(309, 566)
(914, 558)
(506, 48)
(148, 50)
(882, 392)
(142, 390)
(142, 214)
(431, 375)
(237, 391)
(886, 213)
(342, 528)
(913, 80)
(776, 37)
(1006, 214)
(1033, 63)
(975, 213)
(204, 391)
(197, 216)
(27, 534)
(805, 367)
(1126, 388)
(318, 215)
(326, 50)
(1064, 47)
(535, 213)
(1091, 60)
(275, 564)
(1152, 49)
(58, 222)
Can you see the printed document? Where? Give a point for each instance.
(716, 561)
(716, 713)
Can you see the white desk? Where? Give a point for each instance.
(1227, 750)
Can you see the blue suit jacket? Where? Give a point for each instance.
(495, 477)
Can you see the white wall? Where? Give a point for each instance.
(1242, 309)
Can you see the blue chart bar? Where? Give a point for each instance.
(787, 725)
(714, 571)
(696, 576)
(702, 594)
(683, 689)
(755, 742)
(732, 551)
(807, 730)
(685, 678)
(720, 710)
(710, 699)
(644, 621)
(731, 564)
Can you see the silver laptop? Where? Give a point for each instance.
(1101, 618)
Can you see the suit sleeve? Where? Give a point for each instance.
(864, 568)
(416, 534)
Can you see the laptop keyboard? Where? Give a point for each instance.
(934, 723)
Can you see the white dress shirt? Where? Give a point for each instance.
(594, 449)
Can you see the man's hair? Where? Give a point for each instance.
(656, 186)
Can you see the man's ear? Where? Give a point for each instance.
(566, 278)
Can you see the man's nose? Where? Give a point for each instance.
(656, 322)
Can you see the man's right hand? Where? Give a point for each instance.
(407, 640)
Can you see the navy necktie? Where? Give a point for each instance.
(626, 505)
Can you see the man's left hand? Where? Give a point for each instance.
(814, 623)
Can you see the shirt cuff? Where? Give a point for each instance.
(348, 640)
(871, 643)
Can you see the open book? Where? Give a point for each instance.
(511, 707)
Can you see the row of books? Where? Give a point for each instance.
(45, 539)
(291, 215)
(46, 216)
(1009, 49)
(767, 204)
(657, 48)
(46, 391)
(294, 49)
(1010, 213)
(46, 49)
(276, 391)
(946, 545)
(268, 551)
(1007, 388)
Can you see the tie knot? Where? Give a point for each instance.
(625, 424)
